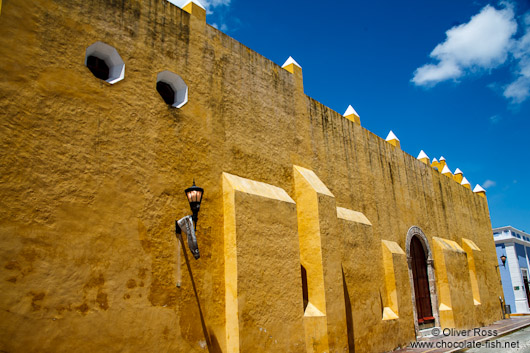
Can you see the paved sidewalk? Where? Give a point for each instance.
(515, 342)
(451, 340)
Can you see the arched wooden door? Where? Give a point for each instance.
(421, 284)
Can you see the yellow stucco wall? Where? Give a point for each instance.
(93, 176)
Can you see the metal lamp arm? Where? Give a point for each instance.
(186, 224)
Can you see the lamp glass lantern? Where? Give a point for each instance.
(503, 259)
(194, 195)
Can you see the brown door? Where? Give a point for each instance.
(421, 283)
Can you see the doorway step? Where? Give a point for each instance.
(427, 333)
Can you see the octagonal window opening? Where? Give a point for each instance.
(172, 88)
(105, 62)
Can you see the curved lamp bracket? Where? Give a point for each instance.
(186, 224)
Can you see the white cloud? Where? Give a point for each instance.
(488, 184)
(519, 90)
(215, 3)
(211, 4)
(495, 119)
(429, 73)
(482, 43)
(222, 28)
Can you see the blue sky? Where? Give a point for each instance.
(450, 77)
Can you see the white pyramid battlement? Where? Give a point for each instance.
(290, 61)
(391, 136)
(422, 155)
(479, 188)
(446, 170)
(182, 3)
(350, 111)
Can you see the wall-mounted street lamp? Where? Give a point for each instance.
(503, 306)
(188, 224)
(503, 259)
(194, 195)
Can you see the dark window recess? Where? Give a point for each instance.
(305, 291)
(166, 91)
(98, 66)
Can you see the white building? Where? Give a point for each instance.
(515, 245)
